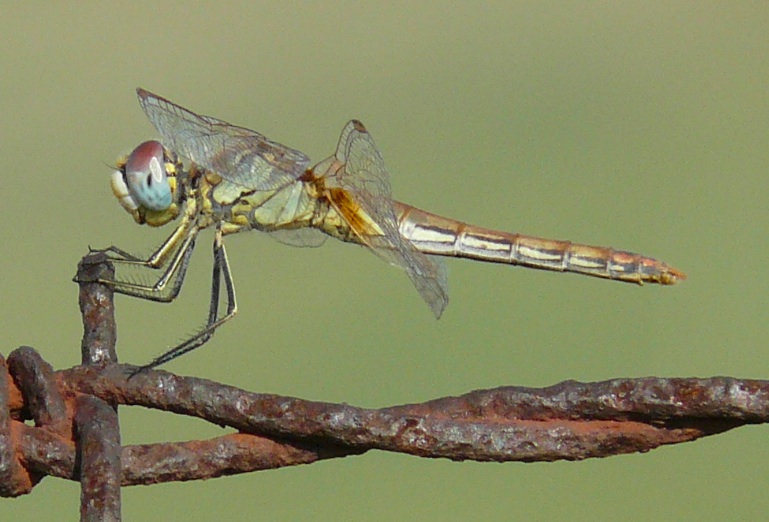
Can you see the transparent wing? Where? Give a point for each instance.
(300, 237)
(239, 155)
(363, 174)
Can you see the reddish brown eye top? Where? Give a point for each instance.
(143, 154)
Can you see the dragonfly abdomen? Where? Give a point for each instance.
(605, 262)
(437, 235)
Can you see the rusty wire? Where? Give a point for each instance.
(76, 434)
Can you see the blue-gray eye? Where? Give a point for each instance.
(146, 177)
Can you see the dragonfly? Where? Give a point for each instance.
(207, 173)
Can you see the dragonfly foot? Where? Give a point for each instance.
(137, 370)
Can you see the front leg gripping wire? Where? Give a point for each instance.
(175, 252)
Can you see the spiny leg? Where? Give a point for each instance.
(174, 272)
(221, 271)
(119, 255)
(178, 247)
(159, 291)
(161, 255)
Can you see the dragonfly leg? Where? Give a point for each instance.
(175, 271)
(174, 254)
(118, 255)
(160, 256)
(221, 271)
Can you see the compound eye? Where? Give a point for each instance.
(146, 177)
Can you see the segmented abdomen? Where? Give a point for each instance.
(437, 235)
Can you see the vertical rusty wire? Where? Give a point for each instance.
(96, 421)
(98, 311)
(98, 441)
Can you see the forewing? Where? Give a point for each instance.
(365, 177)
(239, 155)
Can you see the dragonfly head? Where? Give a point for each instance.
(145, 184)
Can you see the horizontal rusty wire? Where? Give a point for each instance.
(568, 421)
(72, 411)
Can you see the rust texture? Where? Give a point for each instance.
(98, 438)
(38, 387)
(569, 421)
(97, 309)
(76, 433)
(96, 427)
(15, 480)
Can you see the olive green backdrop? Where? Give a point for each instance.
(641, 126)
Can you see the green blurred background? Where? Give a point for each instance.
(641, 126)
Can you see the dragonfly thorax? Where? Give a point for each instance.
(145, 184)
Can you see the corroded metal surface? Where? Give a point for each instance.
(98, 439)
(568, 421)
(97, 309)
